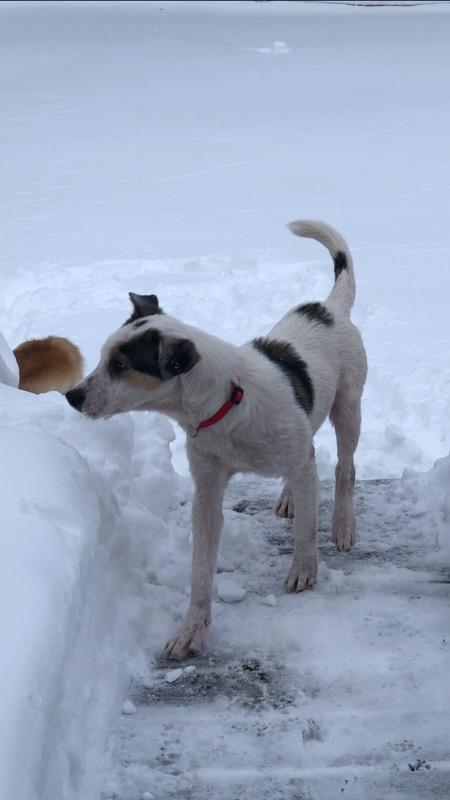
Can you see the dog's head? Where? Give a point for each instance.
(139, 365)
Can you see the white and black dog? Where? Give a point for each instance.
(251, 408)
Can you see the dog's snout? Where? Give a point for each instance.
(76, 398)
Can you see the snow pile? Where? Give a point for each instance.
(9, 369)
(76, 534)
(57, 529)
(430, 495)
(228, 589)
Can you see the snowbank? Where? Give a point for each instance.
(9, 369)
(54, 524)
(430, 494)
(72, 542)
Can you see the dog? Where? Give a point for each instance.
(46, 365)
(251, 408)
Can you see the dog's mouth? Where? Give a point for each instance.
(98, 413)
(95, 411)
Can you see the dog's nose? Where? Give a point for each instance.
(76, 398)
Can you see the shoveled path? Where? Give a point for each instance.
(337, 693)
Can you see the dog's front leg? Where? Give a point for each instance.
(207, 520)
(303, 483)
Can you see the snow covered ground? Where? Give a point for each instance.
(336, 694)
(162, 147)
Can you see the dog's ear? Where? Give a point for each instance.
(144, 305)
(178, 356)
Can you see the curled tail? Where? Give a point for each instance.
(343, 292)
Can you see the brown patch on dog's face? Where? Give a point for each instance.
(140, 380)
(136, 362)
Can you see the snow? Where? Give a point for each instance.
(162, 147)
(341, 688)
(430, 495)
(229, 590)
(149, 195)
(9, 368)
(68, 560)
(173, 675)
(57, 637)
(275, 47)
(128, 707)
(269, 600)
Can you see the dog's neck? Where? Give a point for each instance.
(209, 384)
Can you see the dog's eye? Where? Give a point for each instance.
(116, 366)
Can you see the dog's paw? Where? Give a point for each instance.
(343, 534)
(284, 506)
(188, 640)
(303, 575)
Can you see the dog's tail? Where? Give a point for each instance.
(343, 292)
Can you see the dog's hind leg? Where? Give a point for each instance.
(346, 418)
(284, 507)
(303, 572)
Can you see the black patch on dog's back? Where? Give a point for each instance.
(340, 263)
(283, 355)
(316, 312)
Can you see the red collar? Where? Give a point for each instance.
(235, 398)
